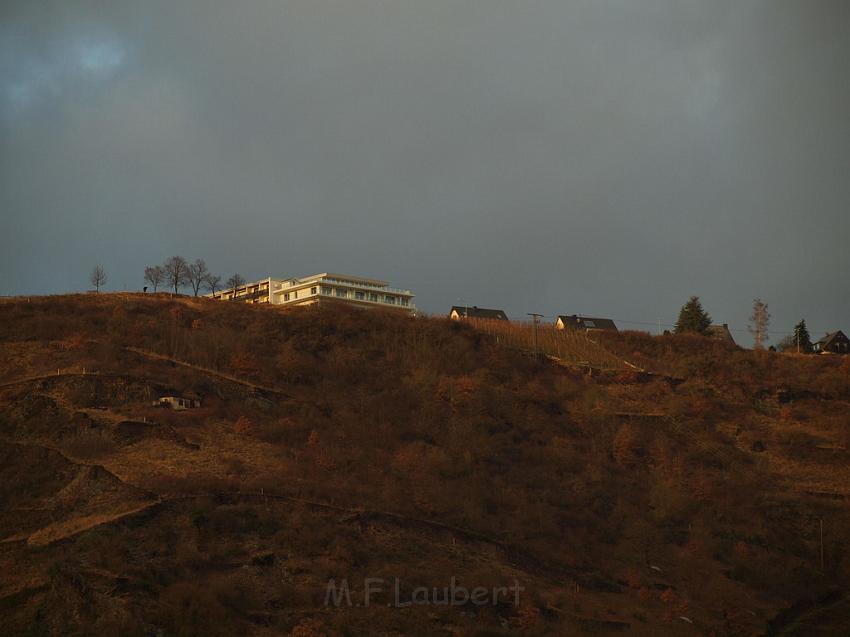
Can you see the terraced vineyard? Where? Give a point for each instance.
(706, 495)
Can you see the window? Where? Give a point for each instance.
(359, 295)
(327, 290)
(389, 300)
(286, 296)
(405, 302)
(373, 297)
(312, 290)
(589, 324)
(296, 294)
(341, 293)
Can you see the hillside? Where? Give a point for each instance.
(706, 497)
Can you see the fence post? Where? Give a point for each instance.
(534, 316)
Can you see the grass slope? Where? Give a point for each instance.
(344, 444)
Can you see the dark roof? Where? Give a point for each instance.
(829, 337)
(720, 333)
(478, 312)
(587, 322)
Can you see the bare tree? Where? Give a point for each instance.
(212, 282)
(154, 275)
(197, 274)
(98, 277)
(176, 272)
(236, 281)
(759, 322)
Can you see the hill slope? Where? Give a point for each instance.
(338, 444)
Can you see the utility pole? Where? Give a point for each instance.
(534, 316)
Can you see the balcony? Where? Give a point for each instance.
(385, 289)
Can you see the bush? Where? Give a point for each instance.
(243, 426)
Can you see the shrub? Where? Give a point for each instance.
(243, 426)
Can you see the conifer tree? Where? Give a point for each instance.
(802, 338)
(692, 318)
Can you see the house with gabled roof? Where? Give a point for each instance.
(473, 311)
(833, 343)
(586, 323)
(720, 333)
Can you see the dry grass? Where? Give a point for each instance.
(582, 483)
(569, 346)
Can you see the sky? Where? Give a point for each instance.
(602, 157)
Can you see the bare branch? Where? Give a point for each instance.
(98, 277)
(155, 276)
(197, 274)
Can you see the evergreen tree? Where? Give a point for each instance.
(802, 339)
(692, 318)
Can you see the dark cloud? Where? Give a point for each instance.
(600, 157)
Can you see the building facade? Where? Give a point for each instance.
(321, 288)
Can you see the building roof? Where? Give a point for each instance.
(829, 337)
(586, 322)
(346, 277)
(281, 285)
(720, 333)
(478, 312)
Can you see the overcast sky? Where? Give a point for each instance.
(605, 157)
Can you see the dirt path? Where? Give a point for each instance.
(209, 372)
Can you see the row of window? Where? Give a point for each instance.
(359, 295)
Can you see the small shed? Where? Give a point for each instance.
(178, 403)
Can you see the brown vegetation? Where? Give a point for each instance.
(386, 446)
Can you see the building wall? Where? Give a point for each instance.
(363, 293)
(322, 288)
(254, 292)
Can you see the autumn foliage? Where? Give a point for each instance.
(427, 447)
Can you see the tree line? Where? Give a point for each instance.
(695, 320)
(175, 273)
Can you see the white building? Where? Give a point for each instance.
(321, 288)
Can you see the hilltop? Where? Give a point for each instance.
(702, 494)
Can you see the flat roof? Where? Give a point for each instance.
(306, 280)
(347, 277)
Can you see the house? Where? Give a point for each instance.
(833, 343)
(585, 323)
(465, 311)
(178, 403)
(321, 288)
(720, 333)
